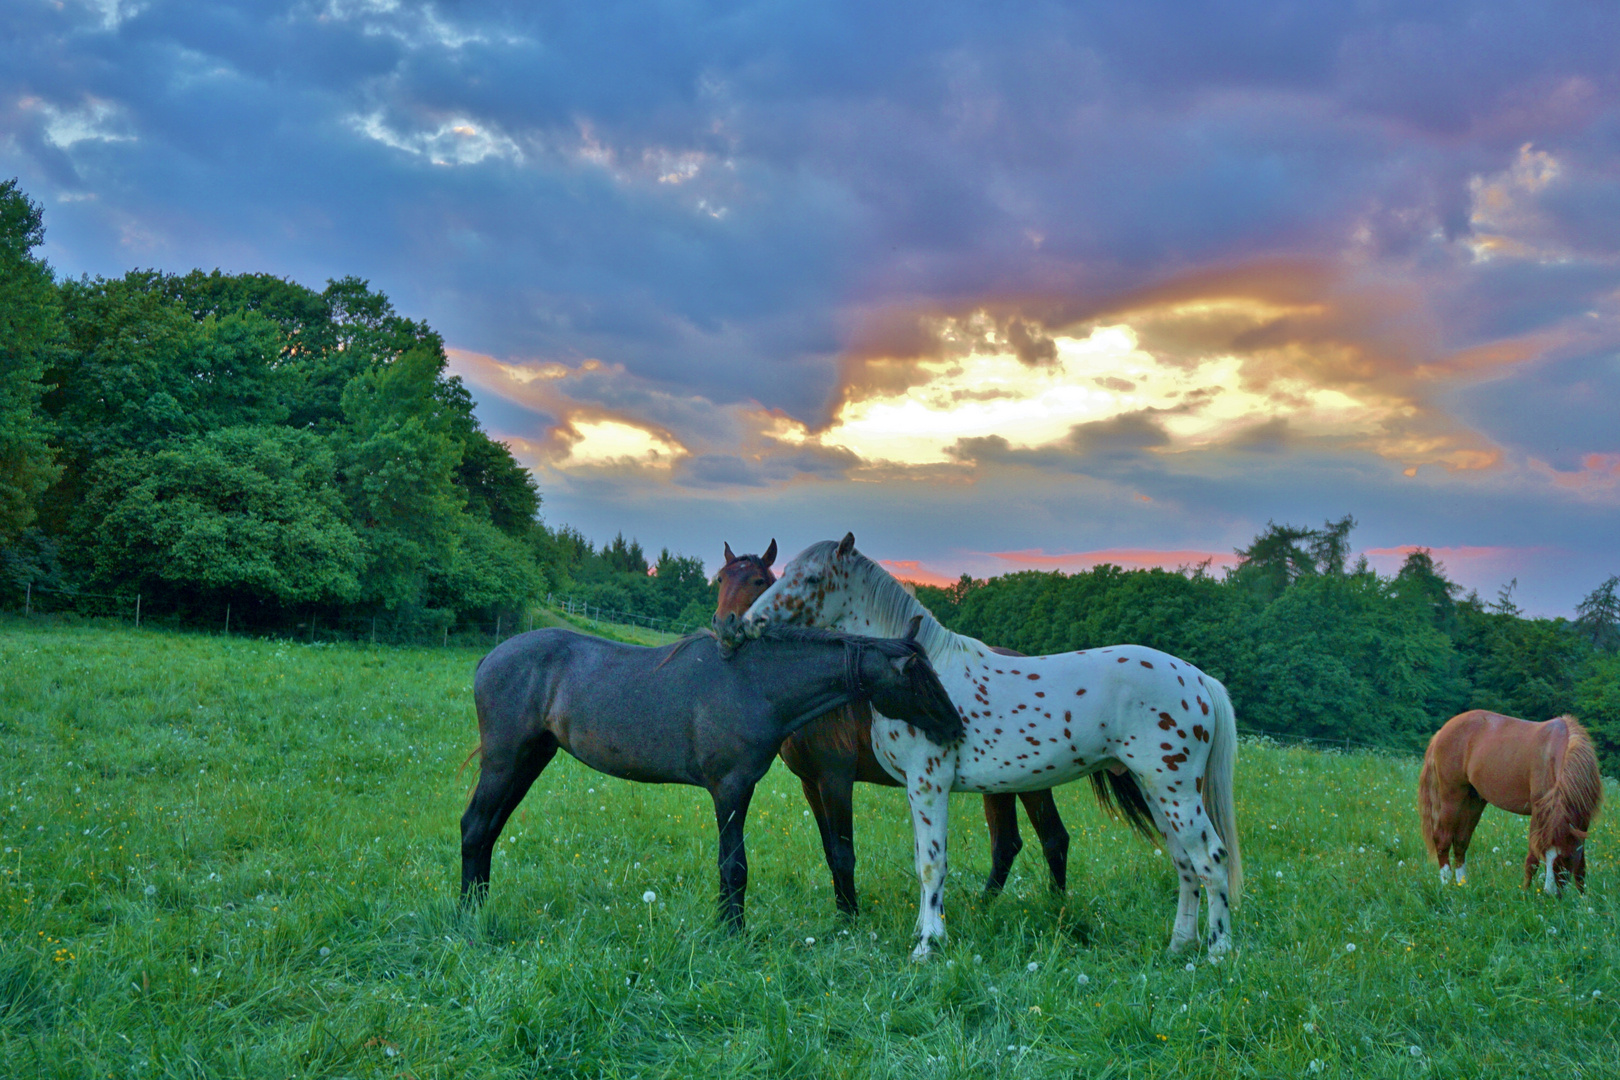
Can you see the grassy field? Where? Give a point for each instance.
(230, 858)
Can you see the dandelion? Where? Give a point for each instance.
(977, 959)
(648, 897)
(1082, 979)
(151, 890)
(1190, 966)
(1494, 850)
(1279, 875)
(325, 951)
(1597, 993)
(1317, 1065)
(809, 941)
(1415, 1051)
(1032, 966)
(1349, 946)
(872, 935)
(1310, 1028)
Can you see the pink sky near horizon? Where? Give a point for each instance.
(1481, 568)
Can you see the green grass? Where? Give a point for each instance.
(228, 857)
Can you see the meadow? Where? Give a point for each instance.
(226, 857)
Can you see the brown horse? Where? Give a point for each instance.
(1548, 771)
(830, 754)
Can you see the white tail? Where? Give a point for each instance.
(1218, 780)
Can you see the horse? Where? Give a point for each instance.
(830, 754)
(1036, 722)
(1547, 770)
(709, 710)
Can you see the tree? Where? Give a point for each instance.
(1598, 616)
(248, 514)
(30, 325)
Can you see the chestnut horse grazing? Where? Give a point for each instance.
(831, 754)
(1548, 771)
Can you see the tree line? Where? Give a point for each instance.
(1312, 645)
(242, 442)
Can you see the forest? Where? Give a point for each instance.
(247, 447)
(242, 444)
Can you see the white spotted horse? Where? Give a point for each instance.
(1036, 722)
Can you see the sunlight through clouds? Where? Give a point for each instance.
(612, 442)
(1106, 374)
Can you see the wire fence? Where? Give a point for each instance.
(430, 627)
(595, 614)
(394, 628)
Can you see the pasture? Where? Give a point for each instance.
(239, 858)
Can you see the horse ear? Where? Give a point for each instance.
(846, 545)
(730, 558)
(915, 625)
(769, 557)
(901, 663)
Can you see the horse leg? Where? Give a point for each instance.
(1186, 928)
(503, 780)
(1001, 817)
(835, 813)
(1468, 814)
(1043, 814)
(1182, 819)
(929, 797)
(731, 798)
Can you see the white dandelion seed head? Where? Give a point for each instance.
(1190, 966)
(1317, 1065)
(1349, 946)
(648, 897)
(1279, 875)
(326, 951)
(1032, 966)
(1082, 979)
(809, 941)
(1415, 1051)
(1310, 1028)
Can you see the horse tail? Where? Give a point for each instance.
(1574, 790)
(1218, 779)
(1120, 796)
(1428, 812)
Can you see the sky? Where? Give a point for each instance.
(995, 287)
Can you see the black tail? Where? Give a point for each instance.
(1121, 797)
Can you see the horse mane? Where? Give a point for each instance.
(895, 648)
(891, 606)
(1566, 809)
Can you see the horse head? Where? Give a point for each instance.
(742, 579)
(898, 680)
(810, 590)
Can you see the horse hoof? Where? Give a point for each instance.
(921, 953)
(1180, 945)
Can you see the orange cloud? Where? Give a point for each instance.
(913, 571)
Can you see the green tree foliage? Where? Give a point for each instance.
(243, 514)
(30, 325)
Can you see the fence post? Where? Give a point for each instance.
(28, 605)
(137, 611)
(497, 629)
(312, 629)
(374, 629)
(446, 642)
(227, 619)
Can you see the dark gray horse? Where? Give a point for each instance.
(708, 711)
